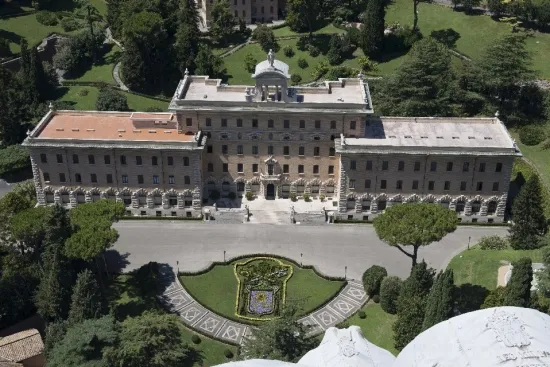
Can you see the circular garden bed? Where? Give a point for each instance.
(255, 288)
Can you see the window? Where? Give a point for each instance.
(352, 165)
(317, 124)
(447, 185)
(270, 149)
(401, 166)
(465, 167)
(170, 161)
(208, 122)
(367, 184)
(239, 149)
(154, 161)
(399, 185)
(209, 149)
(433, 166)
(107, 159)
(385, 165)
(415, 185)
(59, 158)
(416, 166)
(140, 179)
(498, 167)
(301, 151)
(210, 167)
(77, 178)
(155, 180)
(270, 124)
(495, 186)
(46, 177)
(369, 165)
(352, 125)
(239, 122)
(254, 122)
(61, 177)
(449, 166)
(240, 167)
(301, 168)
(286, 150)
(93, 178)
(125, 179)
(75, 158)
(224, 122)
(285, 168)
(188, 121)
(330, 170)
(225, 167)
(479, 186)
(316, 151)
(482, 167)
(186, 161)
(462, 185)
(255, 149)
(315, 169)
(139, 161)
(431, 185)
(186, 180)
(171, 180)
(331, 152)
(43, 158)
(224, 149)
(333, 125)
(383, 184)
(286, 124)
(255, 168)
(109, 178)
(302, 124)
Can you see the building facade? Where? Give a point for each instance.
(252, 11)
(275, 141)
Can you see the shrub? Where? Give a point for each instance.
(4, 47)
(367, 64)
(214, 195)
(401, 39)
(322, 197)
(313, 51)
(111, 100)
(546, 145)
(307, 198)
(389, 291)
(532, 135)
(302, 63)
(13, 158)
(46, 18)
(493, 242)
(195, 339)
(293, 197)
(288, 51)
(228, 354)
(362, 315)
(376, 298)
(70, 24)
(249, 195)
(336, 72)
(250, 62)
(265, 37)
(372, 278)
(231, 196)
(83, 92)
(295, 78)
(302, 43)
(320, 70)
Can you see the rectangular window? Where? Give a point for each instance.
(109, 178)
(240, 167)
(498, 167)
(333, 125)
(208, 122)
(285, 168)
(209, 149)
(367, 184)
(225, 167)
(352, 184)
(315, 169)
(465, 167)
(433, 166)
(61, 177)
(302, 124)
(154, 161)
(401, 166)
(301, 168)
(75, 158)
(170, 161)
(415, 185)
(316, 151)
(462, 185)
(239, 122)
(186, 161)
(331, 152)
(301, 151)
(91, 159)
(255, 168)
(352, 125)
(383, 184)
(255, 149)
(416, 166)
(155, 180)
(352, 165)
(107, 159)
(495, 186)
(482, 167)
(125, 179)
(186, 180)
(59, 158)
(270, 124)
(210, 167)
(123, 159)
(43, 158)
(224, 149)
(286, 124)
(77, 178)
(317, 124)
(270, 149)
(240, 149)
(188, 121)
(399, 185)
(140, 179)
(431, 185)
(254, 122)
(479, 186)
(447, 185)
(139, 161)
(369, 165)
(449, 166)
(385, 165)
(224, 122)
(286, 150)
(330, 170)
(93, 178)
(171, 180)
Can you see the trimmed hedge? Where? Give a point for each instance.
(493, 242)
(372, 278)
(131, 217)
(389, 292)
(14, 158)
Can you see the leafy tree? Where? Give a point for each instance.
(282, 339)
(110, 100)
(421, 85)
(339, 47)
(115, 10)
(372, 278)
(265, 37)
(12, 131)
(55, 332)
(497, 7)
(469, 297)
(207, 63)
(11, 204)
(85, 300)
(84, 344)
(58, 227)
(187, 36)
(17, 290)
(151, 340)
(28, 230)
(223, 22)
(389, 292)
(543, 275)
(304, 15)
(4, 47)
(77, 53)
(250, 62)
(372, 30)
(518, 289)
(469, 5)
(91, 15)
(414, 224)
(440, 301)
(529, 222)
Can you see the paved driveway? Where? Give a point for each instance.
(330, 248)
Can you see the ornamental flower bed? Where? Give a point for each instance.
(260, 302)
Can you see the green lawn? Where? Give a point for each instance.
(376, 327)
(539, 157)
(217, 289)
(87, 102)
(103, 70)
(285, 31)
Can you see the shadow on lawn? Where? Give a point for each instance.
(10, 36)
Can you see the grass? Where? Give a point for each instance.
(87, 102)
(103, 70)
(376, 327)
(537, 155)
(521, 166)
(217, 289)
(286, 31)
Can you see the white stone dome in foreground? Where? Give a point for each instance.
(501, 336)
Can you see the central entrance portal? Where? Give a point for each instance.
(270, 192)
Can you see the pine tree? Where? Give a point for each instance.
(85, 300)
(37, 77)
(372, 31)
(440, 301)
(29, 74)
(518, 289)
(51, 296)
(187, 36)
(58, 227)
(529, 222)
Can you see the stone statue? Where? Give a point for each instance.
(271, 58)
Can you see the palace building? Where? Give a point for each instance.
(251, 11)
(276, 141)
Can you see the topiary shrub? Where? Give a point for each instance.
(228, 354)
(249, 196)
(322, 197)
(295, 78)
(302, 43)
(362, 315)
(493, 242)
(313, 51)
(532, 135)
(546, 145)
(195, 339)
(372, 278)
(302, 63)
(46, 18)
(288, 51)
(307, 198)
(389, 291)
(376, 298)
(293, 198)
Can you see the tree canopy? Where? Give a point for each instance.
(111, 100)
(440, 301)
(223, 22)
(372, 30)
(85, 300)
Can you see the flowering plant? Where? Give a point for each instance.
(260, 302)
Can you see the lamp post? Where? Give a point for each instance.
(178, 265)
(346, 272)
(301, 255)
(223, 255)
(469, 238)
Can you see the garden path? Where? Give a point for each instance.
(350, 299)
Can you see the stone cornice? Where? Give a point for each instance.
(105, 144)
(429, 151)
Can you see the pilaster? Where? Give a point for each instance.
(150, 201)
(40, 197)
(342, 199)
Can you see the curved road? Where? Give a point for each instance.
(192, 246)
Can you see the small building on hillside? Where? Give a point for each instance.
(24, 349)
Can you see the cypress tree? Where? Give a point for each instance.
(372, 31)
(51, 298)
(518, 290)
(389, 292)
(529, 222)
(85, 300)
(440, 301)
(187, 36)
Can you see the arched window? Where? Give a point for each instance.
(240, 186)
(350, 204)
(330, 189)
(476, 206)
(460, 206)
(382, 203)
(491, 208)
